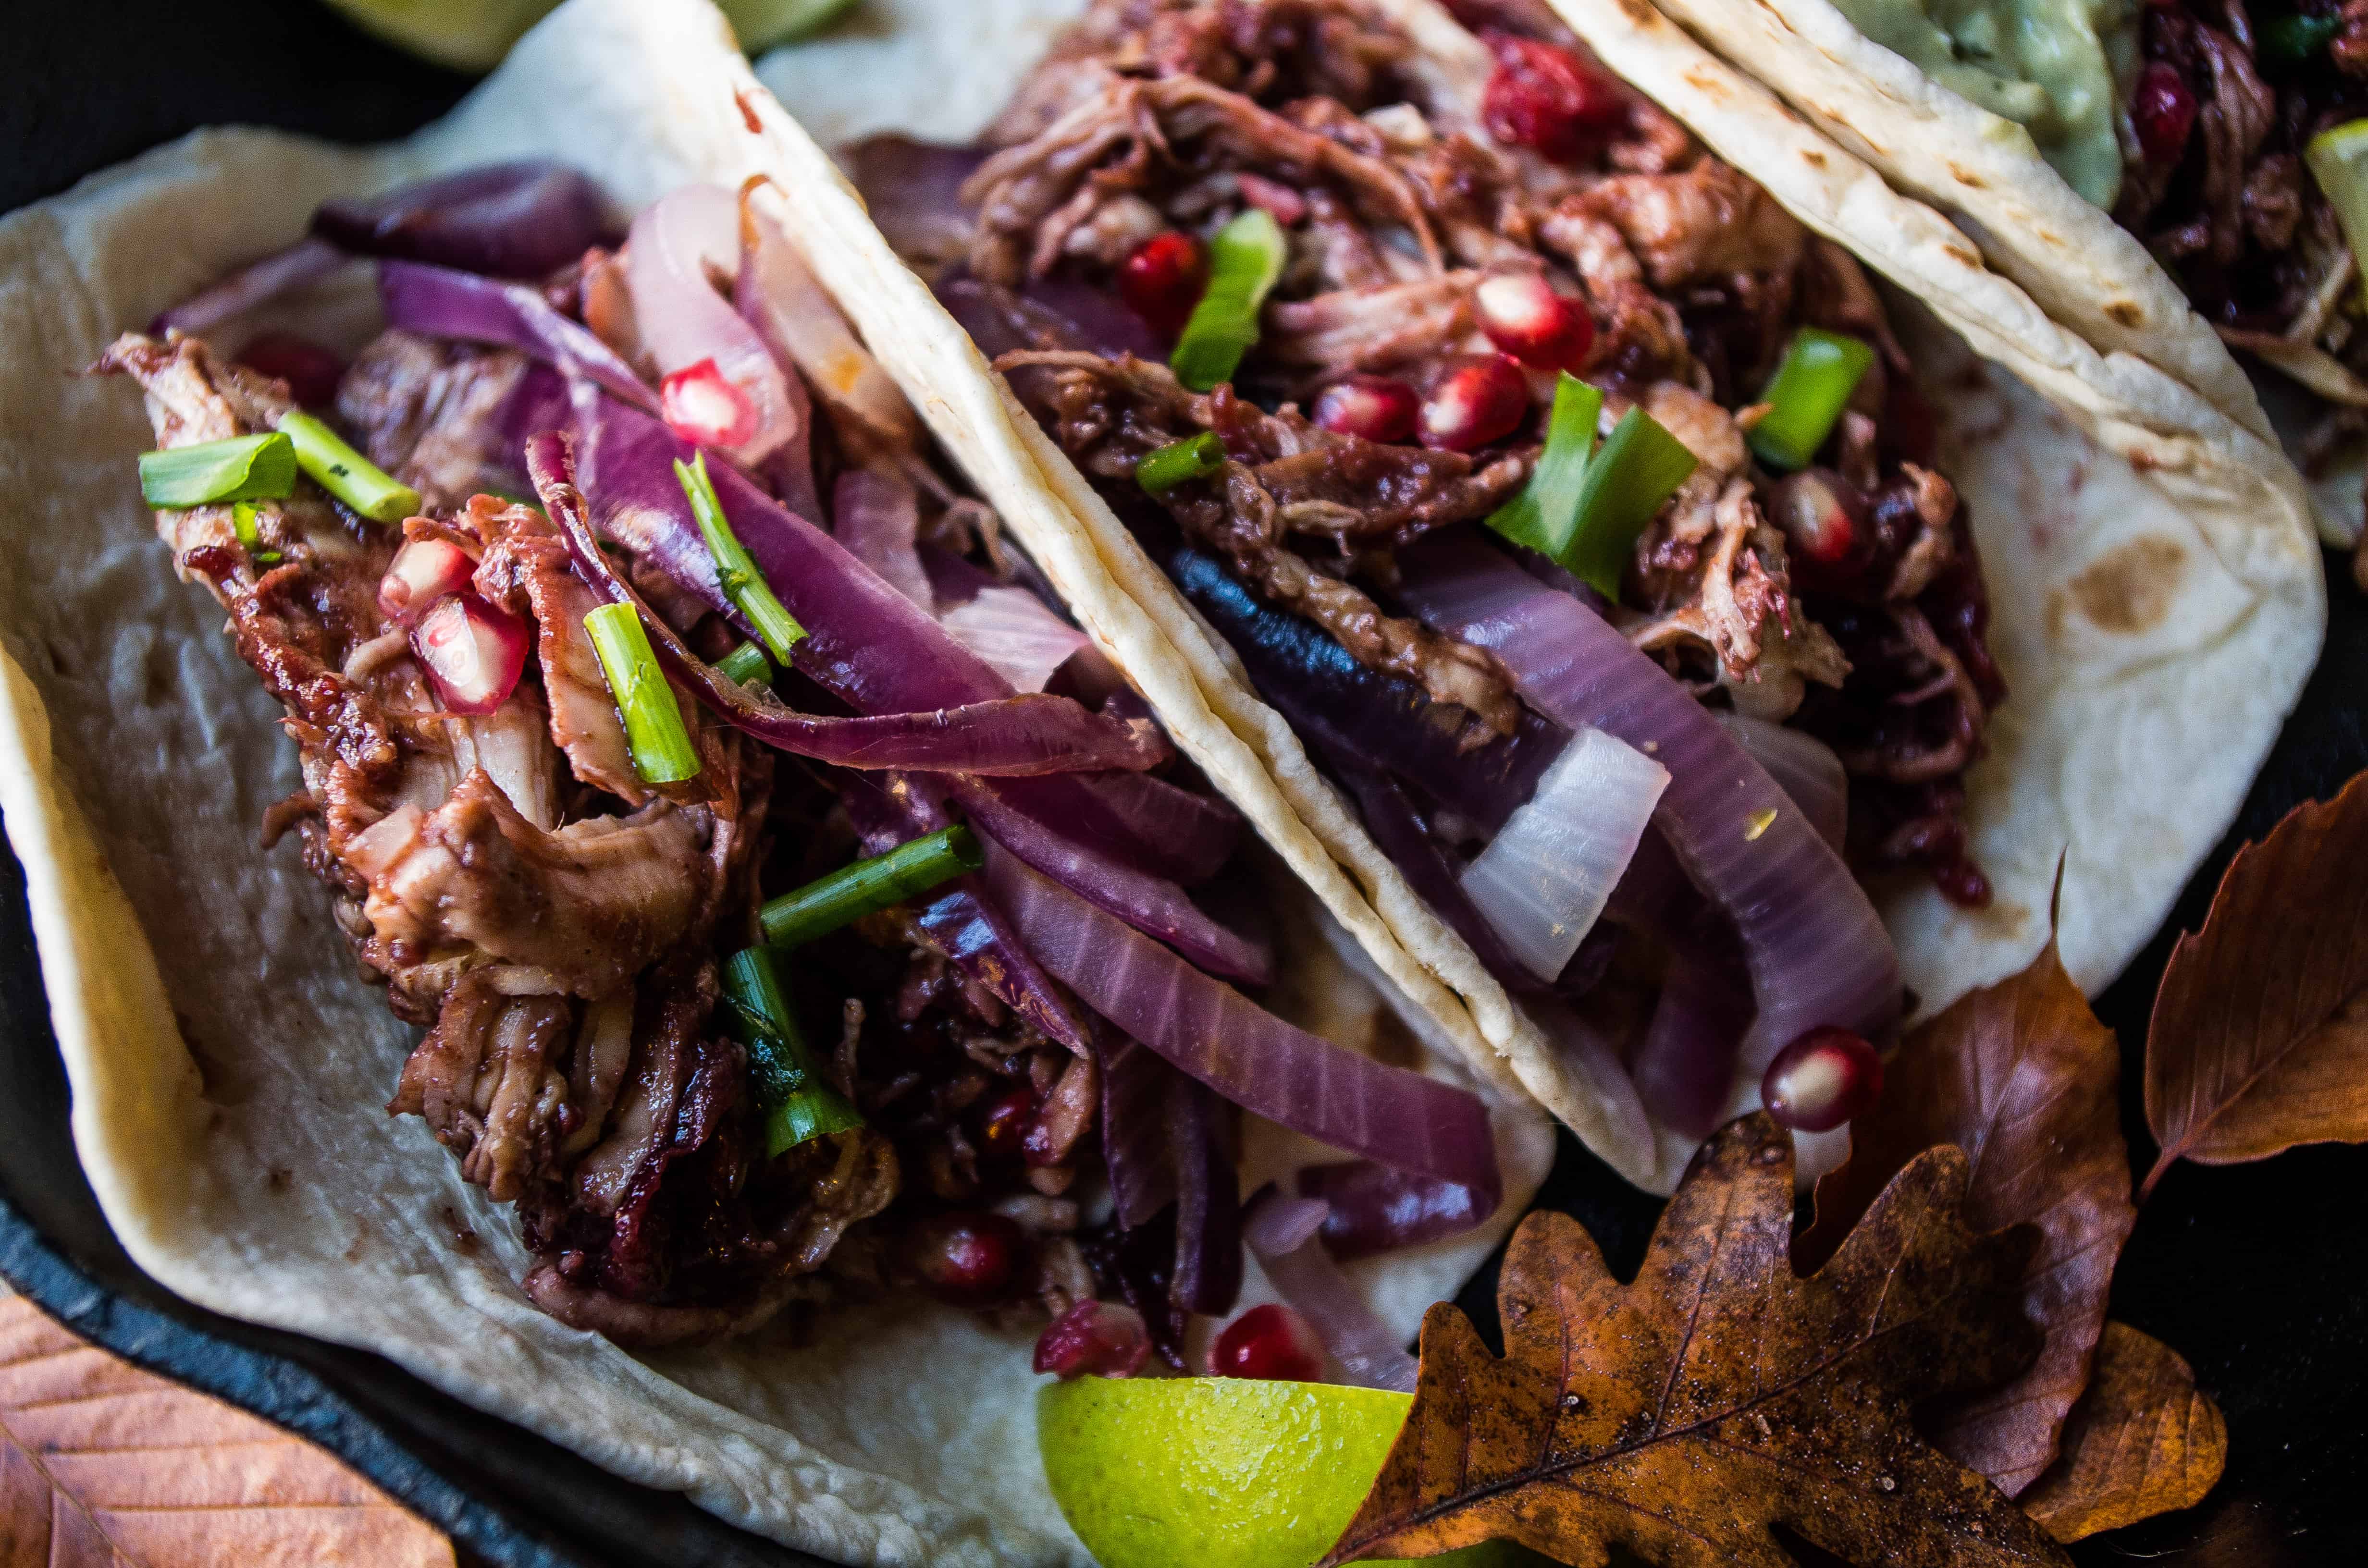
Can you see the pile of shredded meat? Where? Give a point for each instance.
(1157, 115)
(554, 921)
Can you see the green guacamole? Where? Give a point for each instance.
(2053, 66)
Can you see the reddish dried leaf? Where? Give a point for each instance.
(1682, 1416)
(101, 1463)
(2259, 1038)
(2022, 1077)
(2142, 1442)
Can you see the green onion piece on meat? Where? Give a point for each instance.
(1806, 394)
(2338, 160)
(1639, 466)
(743, 583)
(1164, 468)
(345, 473)
(2299, 37)
(1245, 259)
(250, 538)
(746, 666)
(245, 467)
(828, 902)
(654, 728)
(792, 1095)
(1545, 514)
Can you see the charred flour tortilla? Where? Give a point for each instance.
(228, 1064)
(2086, 270)
(2156, 592)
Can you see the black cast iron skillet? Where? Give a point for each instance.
(2259, 1274)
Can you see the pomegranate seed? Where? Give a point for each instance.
(472, 651)
(1267, 1342)
(1374, 407)
(2162, 112)
(1282, 203)
(1821, 1080)
(1827, 530)
(1543, 97)
(1162, 279)
(703, 407)
(967, 1259)
(1102, 1339)
(1479, 400)
(422, 571)
(311, 370)
(1523, 316)
(1003, 1128)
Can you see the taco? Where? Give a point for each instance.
(1629, 594)
(682, 804)
(2171, 181)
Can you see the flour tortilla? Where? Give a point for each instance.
(228, 1063)
(1986, 172)
(2157, 596)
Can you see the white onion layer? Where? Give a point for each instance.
(1543, 880)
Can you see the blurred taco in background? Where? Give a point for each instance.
(1583, 483)
(2172, 181)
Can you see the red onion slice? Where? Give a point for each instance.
(473, 652)
(1012, 734)
(518, 219)
(1370, 1209)
(306, 261)
(679, 245)
(1255, 1060)
(443, 302)
(1150, 905)
(877, 519)
(1804, 767)
(1134, 818)
(1816, 950)
(778, 296)
(1138, 1083)
(1545, 878)
(962, 919)
(1307, 1278)
(1012, 629)
(1208, 1274)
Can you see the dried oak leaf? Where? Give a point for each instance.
(1683, 1416)
(2259, 1036)
(101, 1463)
(2143, 1442)
(2022, 1077)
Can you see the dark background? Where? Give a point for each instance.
(2258, 1274)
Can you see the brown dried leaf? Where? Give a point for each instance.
(1683, 1416)
(2259, 1038)
(101, 1463)
(2022, 1077)
(2143, 1442)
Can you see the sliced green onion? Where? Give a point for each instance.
(1806, 394)
(2297, 38)
(345, 473)
(2338, 160)
(1245, 259)
(1545, 514)
(746, 666)
(1179, 462)
(795, 1100)
(1639, 466)
(250, 538)
(654, 728)
(743, 583)
(244, 467)
(852, 892)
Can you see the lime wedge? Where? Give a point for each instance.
(473, 35)
(2338, 160)
(1221, 1472)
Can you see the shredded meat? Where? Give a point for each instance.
(428, 412)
